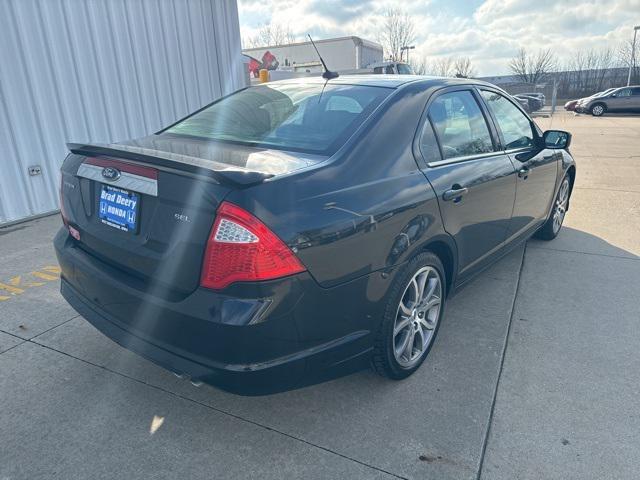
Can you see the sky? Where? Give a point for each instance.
(490, 32)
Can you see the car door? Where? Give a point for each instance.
(473, 180)
(635, 99)
(620, 100)
(537, 169)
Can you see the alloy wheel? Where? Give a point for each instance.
(417, 316)
(561, 205)
(598, 110)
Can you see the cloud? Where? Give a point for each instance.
(490, 31)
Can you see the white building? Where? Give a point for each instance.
(103, 71)
(345, 53)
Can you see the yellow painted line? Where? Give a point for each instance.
(44, 276)
(52, 268)
(11, 289)
(17, 285)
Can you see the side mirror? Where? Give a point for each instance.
(556, 139)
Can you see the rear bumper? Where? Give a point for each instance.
(249, 339)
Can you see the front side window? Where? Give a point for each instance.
(310, 118)
(460, 125)
(514, 125)
(626, 92)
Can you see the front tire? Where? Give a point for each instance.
(411, 319)
(598, 110)
(552, 226)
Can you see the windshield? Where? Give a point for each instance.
(310, 118)
(606, 92)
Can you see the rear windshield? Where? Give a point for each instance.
(308, 118)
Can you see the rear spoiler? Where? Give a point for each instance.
(220, 172)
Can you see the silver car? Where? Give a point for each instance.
(624, 99)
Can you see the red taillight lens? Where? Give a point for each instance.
(242, 249)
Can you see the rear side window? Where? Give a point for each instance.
(310, 118)
(513, 124)
(460, 125)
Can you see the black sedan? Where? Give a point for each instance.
(298, 230)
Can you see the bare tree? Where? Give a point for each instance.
(587, 72)
(463, 68)
(625, 60)
(532, 68)
(398, 31)
(422, 66)
(270, 34)
(444, 67)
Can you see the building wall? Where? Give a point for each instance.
(102, 71)
(338, 53)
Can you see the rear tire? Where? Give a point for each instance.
(598, 109)
(552, 226)
(412, 317)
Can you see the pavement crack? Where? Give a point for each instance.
(224, 412)
(586, 253)
(605, 189)
(485, 440)
(16, 345)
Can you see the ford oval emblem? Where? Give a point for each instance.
(111, 173)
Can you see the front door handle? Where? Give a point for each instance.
(524, 172)
(454, 194)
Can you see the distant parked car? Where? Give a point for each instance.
(535, 103)
(392, 68)
(623, 99)
(570, 106)
(540, 96)
(524, 103)
(584, 100)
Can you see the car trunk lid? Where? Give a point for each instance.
(147, 207)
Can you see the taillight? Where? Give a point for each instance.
(242, 249)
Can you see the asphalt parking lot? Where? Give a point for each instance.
(535, 374)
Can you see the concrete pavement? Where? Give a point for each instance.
(533, 375)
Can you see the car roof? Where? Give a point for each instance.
(388, 81)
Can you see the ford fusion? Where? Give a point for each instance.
(296, 231)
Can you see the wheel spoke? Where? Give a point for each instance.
(404, 309)
(433, 284)
(408, 350)
(422, 280)
(423, 338)
(401, 325)
(424, 323)
(403, 346)
(435, 301)
(416, 290)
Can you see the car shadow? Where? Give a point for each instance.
(488, 286)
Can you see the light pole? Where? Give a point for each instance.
(633, 53)
(407, 48)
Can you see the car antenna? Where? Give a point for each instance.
(328, 74)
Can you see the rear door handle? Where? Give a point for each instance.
(524, 172)
(454, 194)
